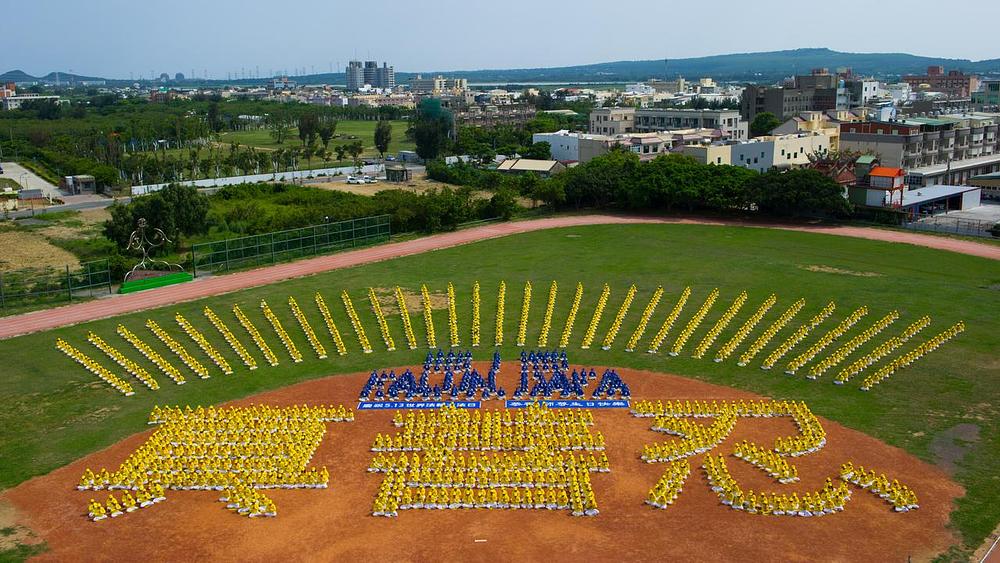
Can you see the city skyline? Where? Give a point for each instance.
(188, 38)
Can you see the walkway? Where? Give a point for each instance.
(119, 304)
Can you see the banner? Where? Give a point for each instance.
(573, 404)
(393, 405)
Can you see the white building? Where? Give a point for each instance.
(778, 151)
(563, 145)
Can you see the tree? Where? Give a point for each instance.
(538, 151)
(355, 149)
(308, 127)
(429, 137)
(177, 210)
(797, 193)
(214, 123)
(763, 124)
(326, 131)
(341, 150)
(503, 204)
(280, 131)
(431, 128)
(383, 136)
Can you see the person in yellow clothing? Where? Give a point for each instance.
(114, 507)
(97, 511)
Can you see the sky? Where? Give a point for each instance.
(129, 38)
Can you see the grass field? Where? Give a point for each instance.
(347, 132)
(52, 411)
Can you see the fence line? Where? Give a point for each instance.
(22, 289)
(281, 246)
(954, 225)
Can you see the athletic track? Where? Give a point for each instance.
(118, 304)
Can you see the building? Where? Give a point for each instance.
(817, 91)
(779, 151)
(710, 154)
(584, 147)
(948, 149)
(990, 183)
(438, 85)
(953, 84)
(355, 76)
(988, 94)
(11, 100)
(385, 77)
(544, 168)
(622, 120)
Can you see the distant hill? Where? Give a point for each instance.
(52, 77)
(749, 67)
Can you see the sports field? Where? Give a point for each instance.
(347, 132)
(942, 409)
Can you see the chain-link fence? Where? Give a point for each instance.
(33, 288)
(954, 225)
(281, 246)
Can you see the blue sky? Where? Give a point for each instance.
(119, 38)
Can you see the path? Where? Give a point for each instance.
(119, 304)
(28, 179)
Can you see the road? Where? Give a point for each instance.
(28, 179)
(118, 304)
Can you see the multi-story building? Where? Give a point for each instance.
(826, 122)
(612, 121)
(763, 153)
(438, 85)
(385, 77)
(817, 91)
(355, 76)
(359, 74)
(947, 149)
(953, 84)
(617, 121)
(9, 98)
(988, 94)
(583, 147)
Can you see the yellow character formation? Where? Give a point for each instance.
(535, 458)
(672, 417)
(239, 451)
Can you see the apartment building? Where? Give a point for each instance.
(437, 85)
(583, 147)
(988, 94)
(947, 149)
(618, 121)
(763, 153)
(953, 84)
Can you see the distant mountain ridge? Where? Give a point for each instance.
(750, 67)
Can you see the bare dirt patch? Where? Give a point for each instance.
(951, 445)
(32, 250)
(414, 301)
(11, 533)
(335, 524)
(840, 271)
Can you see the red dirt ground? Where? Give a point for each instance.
(118, 304)
(335, 524)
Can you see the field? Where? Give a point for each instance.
(943, 409)
(347, 132)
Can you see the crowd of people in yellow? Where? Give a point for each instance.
(536, 458)
(229, 449)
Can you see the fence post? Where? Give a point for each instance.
(107, 273)
(194, 265)
(227, 255)
(69, 284)
(315, 247)
(272, 247)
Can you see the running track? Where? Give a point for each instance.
(119, 304)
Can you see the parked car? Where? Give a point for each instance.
(355, 180)
(1, 169)
(370, 180)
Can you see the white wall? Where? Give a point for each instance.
(254, 178)
(563, 147)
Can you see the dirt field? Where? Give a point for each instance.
(32, 250)
(335, 525)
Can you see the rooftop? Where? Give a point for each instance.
(886, 172)
(932, 193)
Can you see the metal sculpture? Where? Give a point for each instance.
(138, 241)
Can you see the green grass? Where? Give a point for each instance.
(8, 183)
(52, 411)
(363, 131)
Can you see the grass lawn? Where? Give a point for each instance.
(52, 411)
(347, 132)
